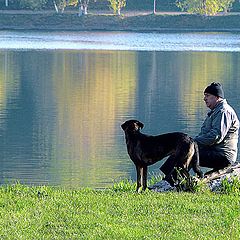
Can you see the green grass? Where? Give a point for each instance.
(139, 22)
(42, 212)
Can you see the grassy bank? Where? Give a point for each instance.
(136, 22)
(55, 213)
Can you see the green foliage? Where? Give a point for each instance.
(200, 186)
(117, 5)
(205, 7)
(72, 2)
(154, 178)
(227, 186)
(124, 185)
(113, 5)
(230, 186)
(32, 4)
(226, 5)
(60, 5)
(142, 5)
(193, 184)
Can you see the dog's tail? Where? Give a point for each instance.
(195, 161)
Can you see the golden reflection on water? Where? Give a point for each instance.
(91, 90)
(9, 79)
(200, 70)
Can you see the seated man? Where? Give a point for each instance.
(218, 137)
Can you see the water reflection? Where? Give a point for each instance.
(60, 111)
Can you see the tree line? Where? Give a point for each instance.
(202, 7)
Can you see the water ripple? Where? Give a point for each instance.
(196, 41)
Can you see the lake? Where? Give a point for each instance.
(64, 95)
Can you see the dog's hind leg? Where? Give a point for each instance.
(168, 168)
(180, 162)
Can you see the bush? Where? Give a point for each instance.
(230, 186)
(32, 4)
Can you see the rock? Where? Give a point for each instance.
(213, 179)
(162, 186)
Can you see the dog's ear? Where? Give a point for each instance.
(139, 124)
(124, 126)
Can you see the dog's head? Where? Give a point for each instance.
(132, 126)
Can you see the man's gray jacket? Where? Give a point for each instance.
(220, 131)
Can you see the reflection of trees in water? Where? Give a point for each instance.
(60, 111)
(93, 90)
(172, 84)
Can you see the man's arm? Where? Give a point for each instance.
(221, 123)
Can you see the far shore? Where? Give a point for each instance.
(128, 21)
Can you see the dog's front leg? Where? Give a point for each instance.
(144, 177)
(139, 178)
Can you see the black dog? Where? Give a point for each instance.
(146, 150)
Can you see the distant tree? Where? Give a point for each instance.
(83, 7)
(60, 5)
(82, 4)
(117, 5)
(205, 7)
(32, 4)
(227, 5)
(154, 6)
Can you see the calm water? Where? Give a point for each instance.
(63, 98)
(121, 41)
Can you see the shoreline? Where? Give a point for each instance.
(139, 22)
